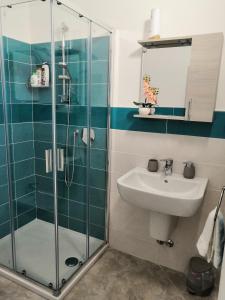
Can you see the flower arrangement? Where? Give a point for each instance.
(150, 94)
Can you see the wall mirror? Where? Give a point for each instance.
(186, 71)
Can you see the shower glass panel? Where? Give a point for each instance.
(53, 140)
(30, 124)
(99, 103)
(5, 212)
(71, 33)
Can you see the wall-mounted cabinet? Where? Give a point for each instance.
(186, 71)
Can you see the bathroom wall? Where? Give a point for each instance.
(72, 200)
(20, 117)
(30, 116)
(135, 141)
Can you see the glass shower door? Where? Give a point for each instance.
(29, 112)
(99, 129)
(6, 224)
(71, 32)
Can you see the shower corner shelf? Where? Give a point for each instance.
(38, 86)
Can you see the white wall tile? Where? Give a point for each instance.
(129, 226)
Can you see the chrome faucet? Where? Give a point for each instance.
(168, 168)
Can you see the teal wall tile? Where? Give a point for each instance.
(45, 201)
(42, 113)
(77, 193)
(97, 232)
(42, 96)
(18, 51)
(77, 225)
(4, 213)
(42, 132)
(25, 130)
(4, 194)
(77, 50)
(3, 175)
(2, 135)
(97, 197)
(0, 91)
(1, 115)
(63, 221)
(77, 210)
(78, 72)
(79, 175)
(40, 148)
(98, 159)
(44, 184)
(99, 117)
(4, 229)
(62, 189)
(100, 48)
(2, 155)
(78, 94)
(26, 203)
(45, 215)
(41, 52)
(218, 126)
(164, 111)
(100, 141)
(98, 178)
(97, 216)
(22, 132)
(20, 93)
(25, 186)
(21, 113)
(99, 95)
(179, 111)
(26, 218)
(40, 168)
(23, 169)
(99, 71)
(23, 150)
(18, 72)
(78, 115)
(122, 119)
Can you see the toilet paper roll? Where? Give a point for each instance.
(155, 23)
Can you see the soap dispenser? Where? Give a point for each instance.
(189, 170)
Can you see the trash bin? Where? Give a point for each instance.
(200, 277)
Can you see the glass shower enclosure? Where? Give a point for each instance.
(54, 109)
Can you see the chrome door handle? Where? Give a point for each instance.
(48, 160)
(60, 159)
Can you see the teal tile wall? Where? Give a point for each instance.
(122, 119)
(20, 115)
(72, 201)
(29, 113)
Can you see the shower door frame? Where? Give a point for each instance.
(12, 274)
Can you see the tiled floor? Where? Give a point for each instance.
(117, 276)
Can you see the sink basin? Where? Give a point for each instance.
(172, 195)
(165, 197)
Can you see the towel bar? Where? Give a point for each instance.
(219, 204)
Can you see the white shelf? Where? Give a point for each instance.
(165, 117)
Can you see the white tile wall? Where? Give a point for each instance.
(129, 226)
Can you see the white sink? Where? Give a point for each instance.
(165, 195)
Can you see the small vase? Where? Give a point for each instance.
(144, 111)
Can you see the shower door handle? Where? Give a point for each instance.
(48, 160)
(60, 159)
